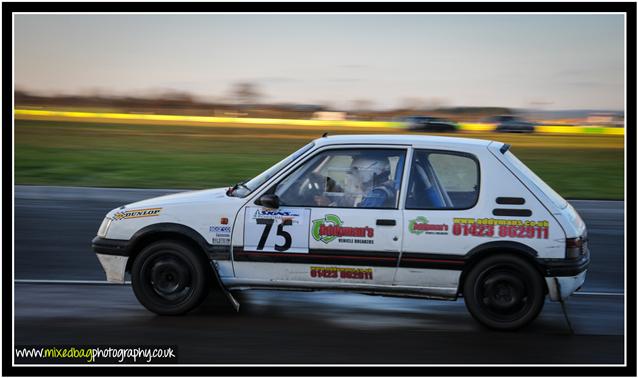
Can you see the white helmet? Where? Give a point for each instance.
(365, 168)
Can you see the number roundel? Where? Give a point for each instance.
(290, 234)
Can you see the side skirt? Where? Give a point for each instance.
(444, 293)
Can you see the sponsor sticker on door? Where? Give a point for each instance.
(331, 228)
(421, 225)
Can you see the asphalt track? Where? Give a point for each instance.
(54, 227)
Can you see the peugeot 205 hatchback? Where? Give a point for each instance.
(424, 216)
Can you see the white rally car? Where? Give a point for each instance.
(400, 215)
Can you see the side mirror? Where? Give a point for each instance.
(270, 201)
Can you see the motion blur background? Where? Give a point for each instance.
(258, 86)
(170, 102)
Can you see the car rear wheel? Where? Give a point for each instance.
(504, 292)
(170, 278)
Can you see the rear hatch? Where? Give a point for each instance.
(564, 212)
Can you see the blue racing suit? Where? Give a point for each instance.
(381, 196)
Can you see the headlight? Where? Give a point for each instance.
(104, 227)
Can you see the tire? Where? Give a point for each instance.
(504, 292)
(170, 278)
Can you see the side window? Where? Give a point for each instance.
(350, 178)
(440, 180)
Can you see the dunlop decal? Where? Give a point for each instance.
(139, 213)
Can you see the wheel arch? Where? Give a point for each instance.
(482, 251)
(165, 231)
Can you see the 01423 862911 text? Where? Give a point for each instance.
(490, 227)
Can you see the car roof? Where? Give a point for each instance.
(404, 139)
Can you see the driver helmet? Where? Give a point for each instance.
(368, 167)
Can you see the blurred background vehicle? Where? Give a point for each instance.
(425, 123)
(511, 124)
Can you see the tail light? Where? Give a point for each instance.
(574, 247)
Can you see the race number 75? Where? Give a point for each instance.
(280, 232)
(283, 230)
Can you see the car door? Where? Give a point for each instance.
(443, 188)
(338, 222)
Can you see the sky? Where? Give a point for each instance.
(522, 61)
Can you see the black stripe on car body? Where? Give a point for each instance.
(355, 257)
(218, 252)
(432, 261)
(321, 256)
(550, 267)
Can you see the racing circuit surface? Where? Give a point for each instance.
(53, 231)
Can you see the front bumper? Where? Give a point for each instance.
(110, 246)
(113, 255)
(114, 267)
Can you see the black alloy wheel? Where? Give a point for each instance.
(169, 278)
(504, 292)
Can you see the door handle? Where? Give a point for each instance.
(386, 222)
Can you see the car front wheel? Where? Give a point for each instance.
(504, 292)
(170, 278)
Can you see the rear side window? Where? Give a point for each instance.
(443, 180)
(558, 201)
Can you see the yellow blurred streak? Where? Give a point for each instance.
(204, 119)
(581, 129)
(615, 130)
(280, 123)
(477, 126)
(559, 129)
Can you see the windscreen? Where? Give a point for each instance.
(257, 181)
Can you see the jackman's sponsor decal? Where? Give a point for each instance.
(504, 228)
(343, 273)
(331, 227)
(139, 213)
(421, 225)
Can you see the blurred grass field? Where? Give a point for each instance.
(71, 153)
